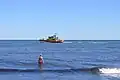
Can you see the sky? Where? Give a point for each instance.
(70, 19)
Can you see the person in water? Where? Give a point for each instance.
(40, 61)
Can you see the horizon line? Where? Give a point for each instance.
(64, 40)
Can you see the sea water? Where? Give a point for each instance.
(71, 60)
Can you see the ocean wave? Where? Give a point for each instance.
(49, 70)
(109, 70)
(92, 70)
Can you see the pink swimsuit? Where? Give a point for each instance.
(40, 61)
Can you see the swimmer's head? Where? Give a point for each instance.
(40, 54)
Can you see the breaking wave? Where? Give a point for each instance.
(49, 70)
(109, 70)
(93, 70)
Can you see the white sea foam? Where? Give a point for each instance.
(109, 70)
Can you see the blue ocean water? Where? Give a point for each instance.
(71, 60)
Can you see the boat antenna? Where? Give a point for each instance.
(55, 33)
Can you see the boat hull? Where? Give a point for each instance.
(53, 41)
